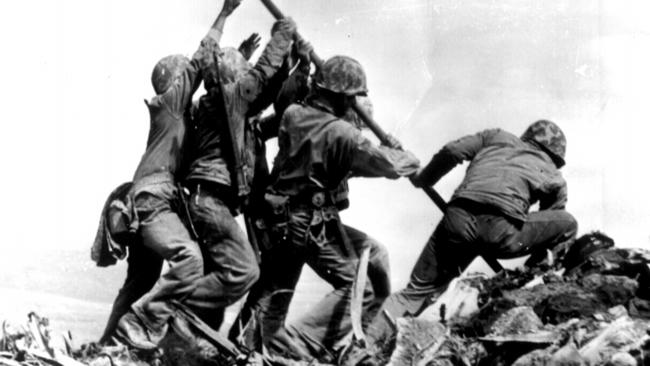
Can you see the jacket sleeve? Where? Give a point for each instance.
(368, 160)
(294, 89)
(253, 84)
(202, 66)
(554, 195)
(455, 153)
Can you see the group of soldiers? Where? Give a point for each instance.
(205, 163)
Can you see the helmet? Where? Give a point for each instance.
(232, 64)
(342, 75)
(166, 71)
(352, 116)
(549, 137)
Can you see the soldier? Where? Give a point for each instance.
(307, 338)
(488, 213)
(154, 194)
(220, 171)
(318, 151)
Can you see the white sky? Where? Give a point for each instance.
(76, 72)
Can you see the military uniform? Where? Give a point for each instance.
(220, 172)
(488, 213)
(154, 196)
(317, 152)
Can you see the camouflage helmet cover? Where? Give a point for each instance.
(342, 75)
(167, 71)
(550, 137)
(232, 64)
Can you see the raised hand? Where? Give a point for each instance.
(249, 45)
(392, 141)
(229, 6)
(284, 25)
(304, 50)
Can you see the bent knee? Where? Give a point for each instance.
(251, 276)
(241, 281)
(571, 224)
(188, 262)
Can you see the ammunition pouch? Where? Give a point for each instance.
(119, 221)
(277, 216)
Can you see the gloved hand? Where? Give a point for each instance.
(304, 50)
(284, 25)
(229, 6)
(249, 45)
(393, 142)
(416, 179)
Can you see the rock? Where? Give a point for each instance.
(583, 248)
(519, 320)
(621, 335)
(539, 357)
(617, 311)
(612, 290)
(639, 308)
(621, 359)
(561, 307)
(479, 324)
(413, 336)
(567, 356)
(460, 300)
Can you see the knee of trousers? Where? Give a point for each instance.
(242, 281)
(570, 224)
(251, 276)
(188, 264)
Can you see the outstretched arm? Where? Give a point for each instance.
(451, 155)
(202, 64)
(229, 6)
(368, 160)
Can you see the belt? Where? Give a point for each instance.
(478, 208)
(155, 178)
(224, 193)
(475, 208)
(316, 199)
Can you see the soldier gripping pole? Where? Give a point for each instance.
(374, 127)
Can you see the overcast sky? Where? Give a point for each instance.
(76, 73)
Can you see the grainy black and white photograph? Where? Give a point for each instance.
(325, 182)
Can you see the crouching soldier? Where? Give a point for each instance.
(318, 150)
(488, 213)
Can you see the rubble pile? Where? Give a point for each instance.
(592, 308)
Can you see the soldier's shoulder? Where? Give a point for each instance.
(342, 129)
(295, 108)
(501, 137)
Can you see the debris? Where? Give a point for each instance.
(519, 320)
(567, 356)
(413, 336)
(356, 302)
(460, 299)
(597, 313)
(622, 359)
(621, 335)
(538, 357)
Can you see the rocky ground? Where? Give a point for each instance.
(590, 308)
